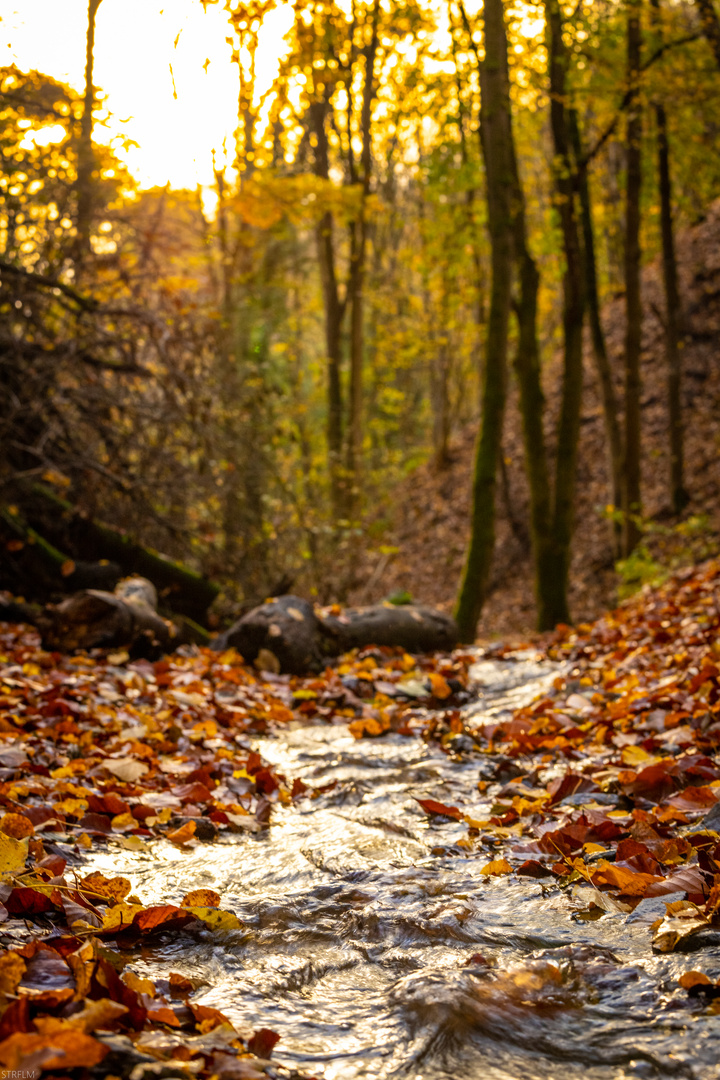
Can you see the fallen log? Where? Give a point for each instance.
(17, 611)
(182, 589)
(283, 634)
(286, 635)
(413, 627)
(92, 619)
(37, 563)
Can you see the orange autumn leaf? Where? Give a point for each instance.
(201, 898)
(159, 915)
(694, 978)
(496, 868)
(183, 835)
(17, 826)
(64, 1050)
(439, 686)
(103, 888)
(628, 882)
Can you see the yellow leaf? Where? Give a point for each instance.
(73, 807)
(635, 755)
(13, 854)
(124, 821)
(120, 916)
(138, 984)
(12, 969)
(497, 866)
(215, 919)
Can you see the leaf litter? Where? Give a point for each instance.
(608, 780)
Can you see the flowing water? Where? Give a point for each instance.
(368, 934)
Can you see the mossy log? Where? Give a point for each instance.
(126, 618)
(286, 635)
(183, 590)
(33, 561)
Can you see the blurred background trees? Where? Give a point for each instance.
(241, 377)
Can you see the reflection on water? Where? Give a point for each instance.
(375, 947)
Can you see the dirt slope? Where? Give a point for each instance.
(431, 509)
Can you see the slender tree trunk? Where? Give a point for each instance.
(573, 317)
(357, 277)
(603, 368)
(496, 140)
(532, 408)
(679, 497)
(633, 303)
(86, 155)
(334, 312)
(710, 26)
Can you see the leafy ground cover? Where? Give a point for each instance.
(97, 750)
(612, 778)
(609, 780)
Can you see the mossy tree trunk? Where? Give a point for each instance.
(552, 591)
(679, 497)
(496, 142)
(631, 504)
(551, 508)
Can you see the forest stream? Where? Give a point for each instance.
(368, 934)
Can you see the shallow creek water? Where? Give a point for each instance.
(360, 916)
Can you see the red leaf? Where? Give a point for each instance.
(533, 868)
(162, 916)
(262, 1042)
(430, 806)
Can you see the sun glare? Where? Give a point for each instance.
(164, 70)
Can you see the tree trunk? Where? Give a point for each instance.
(357, 276)
(679, 497)
(631, 506)
(710, 26)
(496, 143)
(573, 315)
(334, 310)
(85, 153)
(600, 355)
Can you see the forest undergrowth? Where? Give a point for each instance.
(609, 780)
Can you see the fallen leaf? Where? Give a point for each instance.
(201, 898)
(64, 1050)
(183, 835)
(127, 769)
(13, 853)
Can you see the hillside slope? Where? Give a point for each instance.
(431, 509)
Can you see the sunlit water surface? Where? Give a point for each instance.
(360, 917)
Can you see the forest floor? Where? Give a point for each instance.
(425, 863)
(430, 512)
